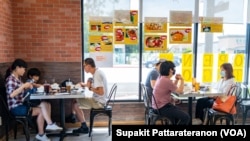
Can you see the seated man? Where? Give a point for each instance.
(99, 88)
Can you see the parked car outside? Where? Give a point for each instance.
(150, 63)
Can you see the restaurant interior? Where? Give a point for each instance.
(126, 38)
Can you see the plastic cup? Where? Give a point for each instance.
(68, 86)
(197, 86)
(46, 88)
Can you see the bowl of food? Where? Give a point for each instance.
(177, 36)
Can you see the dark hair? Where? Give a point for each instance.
(160, 61)
(229, 70)
(33, 72)
(90, 61)
(165, 67)
(16, 63)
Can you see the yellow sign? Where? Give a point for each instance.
(180, 35)
(222, 58)
(238, 73)
(208, 60)
(238, 67)
(187, 60)
(238, 61)
(126, 18)
(101, 24)
(187, 67)
(100, 43)
(181, 18)
(167, 56)
(155, 42)
(207, 75)
(155, 25)
(211, 24)
(119, 35)
(131, 36)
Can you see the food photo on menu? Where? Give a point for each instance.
(131, 34)
(180, 35)
(119, 34)
(155, 41)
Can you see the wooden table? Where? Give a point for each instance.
(61, 97)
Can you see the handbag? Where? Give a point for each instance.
(225, 104)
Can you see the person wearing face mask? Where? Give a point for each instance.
(163, 88)
(223, 86)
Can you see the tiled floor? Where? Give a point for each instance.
(98, 134)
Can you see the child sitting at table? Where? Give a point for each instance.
(33, 75)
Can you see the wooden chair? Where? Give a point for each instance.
(107, 110)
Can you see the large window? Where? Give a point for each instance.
(128, 62)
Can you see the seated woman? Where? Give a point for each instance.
(223, 85)
(164, 86)
(15, 89)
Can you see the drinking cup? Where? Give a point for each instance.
(68, 86)
(193, 82)
(46, 88)
(197, 86)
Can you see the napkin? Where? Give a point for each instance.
(55, 86)
(40, 89)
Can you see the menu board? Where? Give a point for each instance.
(100, 43)
(180, 18)
(155, 25)
(180, 35)
(211, 24)
(126, 35)
(126, 18)
(155, 42)
(101, 24)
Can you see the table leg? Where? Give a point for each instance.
(63, 133)
(190, 108)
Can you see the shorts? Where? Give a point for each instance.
(21, 110)
(88, 103)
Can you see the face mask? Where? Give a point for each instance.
(223, 73)
(173, 71)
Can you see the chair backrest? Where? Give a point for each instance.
(157, 109)
(236, 90)
(146, 99)
(5, 108)
(112, 93)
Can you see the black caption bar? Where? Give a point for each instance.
(136, 132)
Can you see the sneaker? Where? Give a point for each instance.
(42, 138)
(53, 127)
(81, 130)
(196, 121)
(71, 118)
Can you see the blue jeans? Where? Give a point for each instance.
(21, 110)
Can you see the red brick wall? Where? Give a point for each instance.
(6, 34)
(47, 30)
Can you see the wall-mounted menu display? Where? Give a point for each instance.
(126, 35)
(155, 25)
(211, 24)
(101, 24)
(180, 35)
(100, 43)
(180, 18)
(155, 42)
(126, 18)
